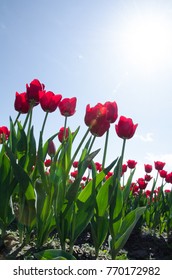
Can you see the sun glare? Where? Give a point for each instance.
(148, 41)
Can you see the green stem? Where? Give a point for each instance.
(105, 149)
(30, 122)
(17, 118)
(91, 145)
(79, 146)
(27, 117)
(43, 125)
(121, 159)
(65, 125)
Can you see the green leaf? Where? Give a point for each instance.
(53, 254)
(102, 198)
(99, 229)
(127, 227)
(86, 192)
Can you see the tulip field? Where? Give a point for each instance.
(53, 194)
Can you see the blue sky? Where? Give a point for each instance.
(101, 50)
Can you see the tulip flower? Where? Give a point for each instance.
(168, 178)
(125, 128)
(4, 134)
(61, 134)
(75, 164)
(142, 183)
(159, 165)
(51, 149)
(147, 177)
(67, 106)
(148, 168)
(124, 168)
(49, 101)
(112, 111)
(21, 103)
(162, 173)
(96, 119)
(131, 163)
(33, 90)
(47, 162)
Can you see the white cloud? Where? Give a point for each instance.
(145, 138)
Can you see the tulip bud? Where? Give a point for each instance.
(51, 149)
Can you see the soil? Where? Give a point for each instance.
(141, 245)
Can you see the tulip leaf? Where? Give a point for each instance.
(126, 228)
(102, 198)
(53, 254)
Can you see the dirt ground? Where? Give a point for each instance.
(141, 245)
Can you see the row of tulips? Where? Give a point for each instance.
(48, 189)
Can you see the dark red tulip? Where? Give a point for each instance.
(21, 103)
(67, 106)
(49, 101)
(159, 165)
(131, 163)
(148, 168)
(125, 128)
(33, 90)
(51, 149)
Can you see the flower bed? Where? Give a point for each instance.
(56, 192)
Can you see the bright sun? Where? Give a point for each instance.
(148, 41)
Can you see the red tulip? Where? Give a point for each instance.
(124, 168)
(147, 193)
(61, 134)
(67, 106)
(134, 188)
(112, 111)
(148, 168)
(159, 165)
(96, 119)
(4, 134)
(147, 177)
(33, 90)
(49, 101)
(75, 164)
(100, 127)
(162, 173)
(142, 184)
(131, 163)
(168, 178)
(47, 162)
(125, 128)
(167, 191)
(98, 166)
(74, 173)
(21, 103)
